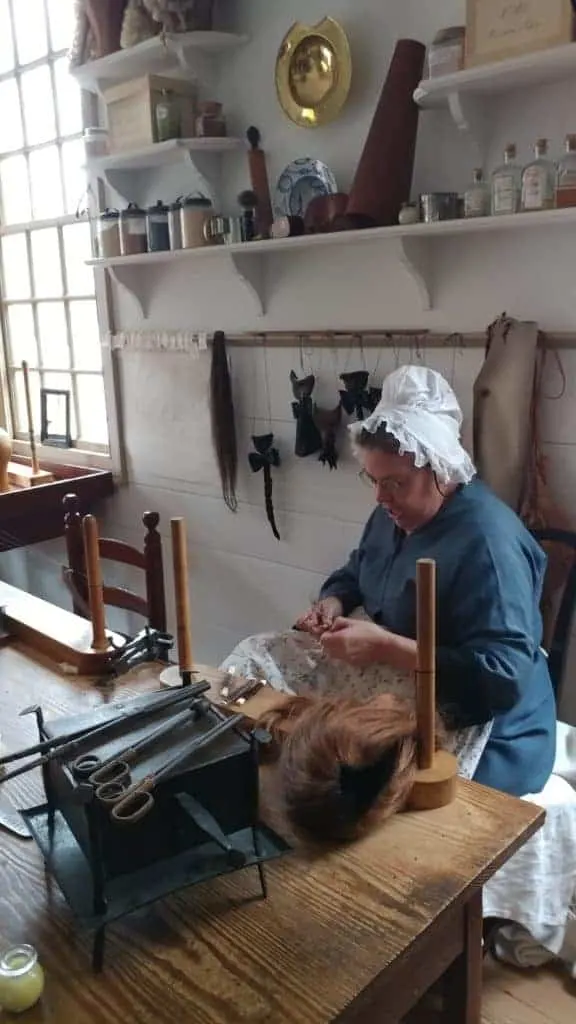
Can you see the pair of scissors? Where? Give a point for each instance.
(92, 769)
(130, 805)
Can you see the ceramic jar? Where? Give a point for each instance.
(195, 211)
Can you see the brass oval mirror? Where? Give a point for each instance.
(313, 73)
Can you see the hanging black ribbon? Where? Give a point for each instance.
(328, 421)
(358, 399)
(264, 458)
(308, 439)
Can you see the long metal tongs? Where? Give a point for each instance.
(69, 745)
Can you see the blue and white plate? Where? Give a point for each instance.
(300, 182)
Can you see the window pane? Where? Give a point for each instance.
(75, 182)
(16, 271)
(77, 248)
(46, 266)
(46, 184)
(68, 98)
(53, 336)
(21, 335)
(30, 28)
(61, 18)
(94, 426)
(85, 336)
(6, 48)
(62, 382)
(38, 104)
(11, 136)
(20, 403)
(14, 190)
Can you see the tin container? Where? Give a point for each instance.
(108, 234)
(133, 237)
(194, 212)
(174, 224)
(157, 227)
(435, 206)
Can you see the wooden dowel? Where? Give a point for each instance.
(181, 591)
(426, 661)
(31, 437)
(95, 586)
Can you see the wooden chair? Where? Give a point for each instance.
(562, 626)
(153, 606)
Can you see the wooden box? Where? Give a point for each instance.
(499, 29)
(131, 107)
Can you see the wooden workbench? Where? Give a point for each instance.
(357, 936)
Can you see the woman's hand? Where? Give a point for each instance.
(320, 617)
(361, 643)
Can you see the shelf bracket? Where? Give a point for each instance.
(414, 255)
(252, 273)
(469, 115)
(138, 281)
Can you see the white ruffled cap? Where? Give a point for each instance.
(422, 412)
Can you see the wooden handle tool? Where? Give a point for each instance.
(260, 185)
(95, 585)
(30, 418)
(182, 596)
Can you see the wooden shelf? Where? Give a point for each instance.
(467, 94)
(413, 245)
(118, 169)
(174, 52)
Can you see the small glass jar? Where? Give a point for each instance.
(96, 142)
(133, 230)
(167, 117)
(194, 212)
(174, 224)
(157, 227)
(108, 234)
(21, 979)
(409, 214)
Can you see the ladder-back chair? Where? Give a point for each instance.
(562, 626)
(153, 606)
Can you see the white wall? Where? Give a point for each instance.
(243, 580)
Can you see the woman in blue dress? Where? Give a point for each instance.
(490, 665)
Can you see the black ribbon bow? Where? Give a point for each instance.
(328, 421)
(308, 439)
(358, 399)
(264, 458)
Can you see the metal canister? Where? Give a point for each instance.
(108, 234)
(157, 227)
(174, 225)
(133, 230)
(435, 206)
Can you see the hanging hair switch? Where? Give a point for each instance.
(264, 458)
(308, 439)
(328, 421)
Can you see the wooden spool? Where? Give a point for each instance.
(95, 586)
(182, 596)
(29, 476)
(5, 456)
(435, 782)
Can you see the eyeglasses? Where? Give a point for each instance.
(387, 484)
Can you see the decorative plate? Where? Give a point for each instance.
(300, 182)
(313, 72)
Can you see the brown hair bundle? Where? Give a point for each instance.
(344, 764)
(223, 421)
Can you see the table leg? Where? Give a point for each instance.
(463, 980)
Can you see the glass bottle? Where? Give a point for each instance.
(539, 180)
(167, 115)
(507, 184)
(21, 979)
(566, 180)
(477, 196)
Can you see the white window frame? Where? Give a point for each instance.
(84, 454)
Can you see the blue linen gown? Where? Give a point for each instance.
(490, 574)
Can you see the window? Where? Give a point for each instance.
(48, 306)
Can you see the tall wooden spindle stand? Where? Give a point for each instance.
(183, 626)
(95, 586)
(29, 476)
(435, 783)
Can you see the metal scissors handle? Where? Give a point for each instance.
(132, 804)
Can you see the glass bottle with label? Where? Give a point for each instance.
(477, 196)
(539, 180)
(566, 180)
(507, 184)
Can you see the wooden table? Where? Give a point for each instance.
(357, 936)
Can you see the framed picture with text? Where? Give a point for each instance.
(499, 29)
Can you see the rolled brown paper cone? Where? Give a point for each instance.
(384, 174)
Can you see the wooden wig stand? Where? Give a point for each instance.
(435, 783)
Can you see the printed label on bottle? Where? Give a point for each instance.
(475, 203)
(505, 196)
(534, 189)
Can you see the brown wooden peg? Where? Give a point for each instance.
(95, 586)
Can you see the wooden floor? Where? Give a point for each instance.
(546, 996)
